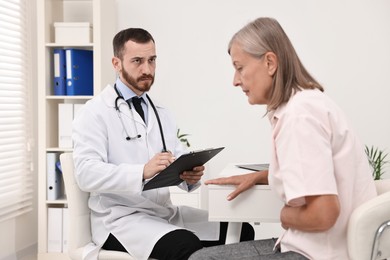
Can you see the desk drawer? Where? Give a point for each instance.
(181, 197)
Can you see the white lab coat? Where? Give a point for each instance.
(111, 169)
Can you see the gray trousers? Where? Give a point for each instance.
(249, 250)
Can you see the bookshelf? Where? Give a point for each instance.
(102, 16)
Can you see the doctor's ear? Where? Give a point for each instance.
(116, 62)
(272, 62)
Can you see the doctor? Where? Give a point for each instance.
(116, 151)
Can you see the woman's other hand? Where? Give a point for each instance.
(242, 182)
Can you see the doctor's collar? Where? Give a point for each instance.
(125, 91)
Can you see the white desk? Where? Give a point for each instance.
(259, 204)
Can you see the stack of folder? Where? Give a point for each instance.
(57, 230)
(57, 233)
(55, 189)
(73, 72)
(66, 113)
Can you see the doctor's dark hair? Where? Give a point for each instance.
(266, 35)
(137, 35)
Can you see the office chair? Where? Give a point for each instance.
(369, 226)
(79, 216)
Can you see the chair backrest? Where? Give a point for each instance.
(79, 213)
(79, 216)
(365, 222)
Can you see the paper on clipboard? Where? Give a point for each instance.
(171, 175)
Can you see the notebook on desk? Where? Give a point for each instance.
(254, 167)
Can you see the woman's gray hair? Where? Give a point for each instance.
(266, 35)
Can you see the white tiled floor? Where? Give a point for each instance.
(29, 253)
(29, 257)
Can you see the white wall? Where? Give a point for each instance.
(345, 44)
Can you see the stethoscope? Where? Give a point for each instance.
(128, 137)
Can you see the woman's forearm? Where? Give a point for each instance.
(318, 214)
(262, 177)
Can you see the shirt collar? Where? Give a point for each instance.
(275, 114)
(125, 91)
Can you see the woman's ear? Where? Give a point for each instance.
(272, 62)
(117, 64)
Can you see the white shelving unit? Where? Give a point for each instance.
(101, 14)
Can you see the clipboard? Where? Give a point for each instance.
(186, 162)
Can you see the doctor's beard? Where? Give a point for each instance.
(142, 83)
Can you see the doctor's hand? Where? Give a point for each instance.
(242, 182)
(158, 163)
(192, 177)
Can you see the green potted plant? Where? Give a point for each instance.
(183, 138)
(377, 160)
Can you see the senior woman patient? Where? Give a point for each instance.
(318, 166)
